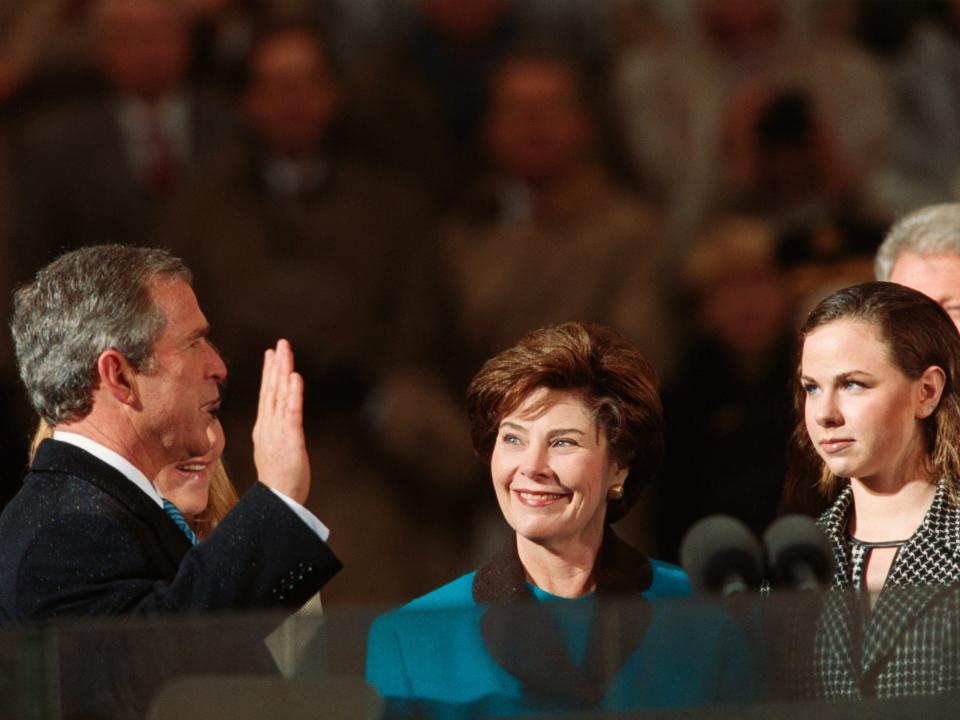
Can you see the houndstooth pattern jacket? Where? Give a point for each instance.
(909, 644)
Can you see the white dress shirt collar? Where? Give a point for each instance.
(137, 119)
(113, 459)
(126, 468)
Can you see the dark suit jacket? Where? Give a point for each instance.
(81, 540)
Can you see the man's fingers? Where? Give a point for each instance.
(275, 383)
(265, 376)
(285, 353)
(279, 371)
(294, 404)
(283, 370)
(279, 445)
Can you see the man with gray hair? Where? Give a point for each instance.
(114, 352)
(922, 251)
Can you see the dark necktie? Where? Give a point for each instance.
(173, 512)
(161, 158)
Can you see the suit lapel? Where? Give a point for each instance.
(60, 457)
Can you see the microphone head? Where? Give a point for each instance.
(721, 555)
(797, 546)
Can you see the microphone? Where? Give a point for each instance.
(799, 553)
(721, 555)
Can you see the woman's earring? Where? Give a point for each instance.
(615, 493)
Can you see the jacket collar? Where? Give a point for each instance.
(53, 456)
(524, 639)
(620, 570)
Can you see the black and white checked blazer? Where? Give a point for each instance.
(909, 644)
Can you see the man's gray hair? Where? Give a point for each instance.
(931, 230)
(85, 302)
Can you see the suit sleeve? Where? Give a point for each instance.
(261, 556)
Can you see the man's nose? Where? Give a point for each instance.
(217, 367)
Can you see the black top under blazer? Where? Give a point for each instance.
(81, 540)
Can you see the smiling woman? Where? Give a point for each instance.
(570, 422)
(553, 478)
(879, 395)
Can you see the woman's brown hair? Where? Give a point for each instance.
(618, 384)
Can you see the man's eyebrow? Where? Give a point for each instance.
(200, 332)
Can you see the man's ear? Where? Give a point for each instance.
(118, 377)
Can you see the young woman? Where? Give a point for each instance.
(878, 388)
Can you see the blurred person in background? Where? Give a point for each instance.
(918, 45)
(550, 203)
(727, 407)
(25, 28)
(294, 215)
(309, 230)
(102, 169)
(788, 171)
(225, 30)
(430, 80)
(922, 251)
(221, 35)
(678, 98)
(45, 51)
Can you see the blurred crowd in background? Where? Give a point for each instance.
(404, 187)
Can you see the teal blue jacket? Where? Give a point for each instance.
(488, 644)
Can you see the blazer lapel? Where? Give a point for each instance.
(925, 569)
(60, 457)
(842, 619)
